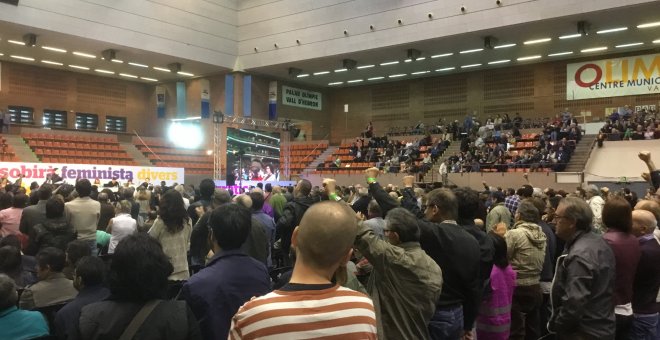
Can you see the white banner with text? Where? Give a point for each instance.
(613, 77)
(37, 172)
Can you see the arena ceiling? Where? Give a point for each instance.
(448, 55)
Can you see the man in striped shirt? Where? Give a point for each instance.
(311, 305)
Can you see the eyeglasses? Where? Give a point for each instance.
(560, 216)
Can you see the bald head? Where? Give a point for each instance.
(643, 222)
(325, 235)
(650, 206)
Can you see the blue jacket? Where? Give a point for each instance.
(17, 324)
(230, 279)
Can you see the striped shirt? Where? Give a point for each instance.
(301, 312)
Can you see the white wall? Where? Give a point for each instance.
(204, 31)
(617, 159)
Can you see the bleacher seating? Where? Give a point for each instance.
(302, 154)
(162, 153)
(7, 153)
(60, 148)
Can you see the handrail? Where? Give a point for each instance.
(147, 146)
(316, 147)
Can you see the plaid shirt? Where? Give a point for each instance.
(511, 203)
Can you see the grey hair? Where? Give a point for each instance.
(124, 206)
(578, 210)
(8, 294)
(244, 200)
(404, 223)
(363, 191)
(593, 189)
(446, 202)
(528, 212)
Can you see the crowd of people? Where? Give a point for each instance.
(362, 262)
(630, 125)
(491, 146)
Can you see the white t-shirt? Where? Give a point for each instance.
(122, 225)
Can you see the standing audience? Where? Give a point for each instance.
(83, 214)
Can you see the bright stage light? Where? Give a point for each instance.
(186, 135)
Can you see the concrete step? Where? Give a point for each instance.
(22, 150)
(136, 154)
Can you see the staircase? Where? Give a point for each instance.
(137, 156)
(320, 159)
(21, 149)
(433, 175)
(581, 154)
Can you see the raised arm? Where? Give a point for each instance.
(385, 201)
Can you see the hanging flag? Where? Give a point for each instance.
(160, 101)
(272, 100)
(206, 98)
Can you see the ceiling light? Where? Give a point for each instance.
(594, 49)
(51, 62)
(471, 51)
(441, 55)
(54, 49)
(103, 71)
(365, 66)
(336, 83)
(341, 70)
(185, 74)
(1, 54)
(376, 78)
(531, 57)
(16, 42)
(355, 81)
(321, 73)
(570, 36)
(86, 55)
(470, 66)
(398, 75)
(138, 65)
(650, 24)
(117, 61)
(79, 67)
(537, 41)
(389, 63)
(560, 53)
(22, 58)
(127, 75)
(420, 59)
(161, 69)
(148, 79)
(499, 61)
(444, 69)
(303, 75)
(505, 46)
(656, 41)
(629, 45)
(611, 30)
(420, 72)
(407, 60)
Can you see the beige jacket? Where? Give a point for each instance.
(525, 245)
(83, 214)
(57, 289)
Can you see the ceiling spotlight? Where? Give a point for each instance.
(345, 32)
(371, 27)
(583, 28)
(174, 67)
(275, 44)
(109, 54)
(413, 54)
(30, 39)
(399, 21)
(298, 41)
(256, 49)
(490, 42)
(498, 2)
(430, 15)
(463, 9)
(349, 64)
(294, 72)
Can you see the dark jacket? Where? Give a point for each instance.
(626, 254)
(362, 205)
(31, 216)
(215, 293)
(647, 279)
(583, 289)
(55, 232)
(170, 320)
(66, 319)
(291, 216)
(452, 248)
(486, 252)
(550, 252)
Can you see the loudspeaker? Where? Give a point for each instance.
(11, 2)
(30, 39)
(349, 64)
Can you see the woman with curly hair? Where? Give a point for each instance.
(172, 229)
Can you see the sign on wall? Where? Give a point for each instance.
(613, 77)
(301, 98)
(37, 172)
